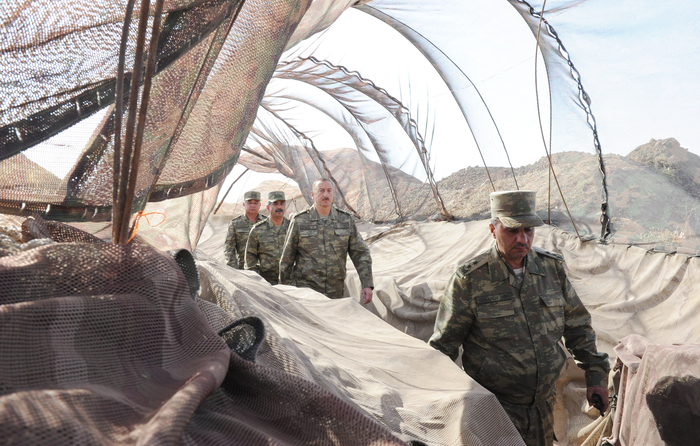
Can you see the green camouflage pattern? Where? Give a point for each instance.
(315, 253)
(534, 423)
(251, 195)
(275, 196)
(264, 249)
(510, 335)
(236, 239)
(515, 209)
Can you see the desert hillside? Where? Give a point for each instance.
(652, 193)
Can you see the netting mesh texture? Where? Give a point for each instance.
(61, 72)
(104, 344)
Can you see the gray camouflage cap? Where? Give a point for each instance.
(275, 195)
(515, 208)
(251, 195)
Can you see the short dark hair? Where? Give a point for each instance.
(321, 180)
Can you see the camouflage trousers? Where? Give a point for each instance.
(534, 423)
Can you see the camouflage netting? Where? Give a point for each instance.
(104, 343)
(517, 103)
(56, 74)
(432, 125)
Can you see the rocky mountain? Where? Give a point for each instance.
(667, 157)
(466, 192)
(362, 180)
(653, 193)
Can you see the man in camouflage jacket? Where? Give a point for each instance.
(239, 228)
(266, 240)
(508, 308)
(318, 242)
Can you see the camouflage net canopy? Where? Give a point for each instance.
(60, 76)
(417, 119)
(437, 108)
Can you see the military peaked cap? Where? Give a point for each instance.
(515, 208)
(251, 195)
(276, 195)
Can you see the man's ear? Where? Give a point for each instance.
(493, 230)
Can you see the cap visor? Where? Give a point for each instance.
(525, 221)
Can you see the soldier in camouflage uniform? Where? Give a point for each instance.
(317, 244)
(239, 228)
(266, 240)
(508, 308)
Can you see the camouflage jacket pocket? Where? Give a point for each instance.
(307, 273)
(307, 230)
(491, 307)
(339, 240)
(553, 312)
(267, 240)
(553, 299)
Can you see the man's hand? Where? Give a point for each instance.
(366, 295)
(603, 393)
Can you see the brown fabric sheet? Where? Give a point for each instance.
(393, 378)
(104, 344)
(101, 344)
(658, 387)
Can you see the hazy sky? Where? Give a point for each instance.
(638, 59)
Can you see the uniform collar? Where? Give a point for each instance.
(258, 218)
(314, 214)
(272, 225)
(499, 271)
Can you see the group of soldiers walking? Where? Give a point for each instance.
(508, 308)
(309, 251)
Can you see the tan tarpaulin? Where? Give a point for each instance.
(101, 345)
(628, 290)
(659, 393)
(401, 382)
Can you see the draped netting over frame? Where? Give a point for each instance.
(416, 114)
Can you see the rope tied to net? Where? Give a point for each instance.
(140, 214)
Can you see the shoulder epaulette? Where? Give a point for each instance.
(476, 262)
(259, 223)
(546, 253)
(345, 211)
(305, 211)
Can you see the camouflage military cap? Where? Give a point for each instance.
(275, 195)
(516, 208)
(251, 195)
